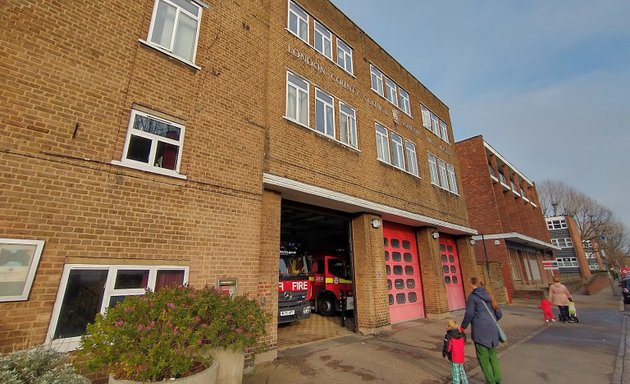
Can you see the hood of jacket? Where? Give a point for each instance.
(483, 294)
(455, 333)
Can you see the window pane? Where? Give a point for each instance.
(164, 25)
(400, 298)
(169, 279)
(82, 300)
(386, 255)
(409, 270)
(187, 5)
(411, 283)
(413, 297)
(396, 256)
(398, 270)
(127, 279)
(399, 283)
(291, 102)
(395, 243)
(303, 108)
(185, 37)
(139, 149)
(166, 155)
(408, 257)
(156, 127)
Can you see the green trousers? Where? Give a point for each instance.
(489, 363)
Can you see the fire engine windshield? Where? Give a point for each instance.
(293, 266)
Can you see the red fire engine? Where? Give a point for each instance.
(293, 287)
(331, 288)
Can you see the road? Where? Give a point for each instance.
(581, 353)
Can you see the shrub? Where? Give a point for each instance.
(38, 365)
(169, 333)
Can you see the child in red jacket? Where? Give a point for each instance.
(454, 342)
(545, 305)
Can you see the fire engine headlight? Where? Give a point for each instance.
(306, 310)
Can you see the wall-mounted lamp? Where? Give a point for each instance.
(376, 223)
(435, 234)
(497, 242)
(472, 241)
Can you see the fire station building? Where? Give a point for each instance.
(185, 141)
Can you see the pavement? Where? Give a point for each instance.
(411, 351)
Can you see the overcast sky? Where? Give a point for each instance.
(547, 83)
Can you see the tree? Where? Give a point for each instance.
(558, 198)
(615, 241)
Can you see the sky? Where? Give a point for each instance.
(546, 82)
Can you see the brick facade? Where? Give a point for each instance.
(513, 236)
(68, 92)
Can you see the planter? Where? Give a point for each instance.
(231, 365)
(208, 376)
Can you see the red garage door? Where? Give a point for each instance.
(404, 286)
(452, 274)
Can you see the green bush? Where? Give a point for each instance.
(169, 333)
(38, 365)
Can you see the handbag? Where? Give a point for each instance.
(502, 336)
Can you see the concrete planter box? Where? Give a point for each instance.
(231, 365)
(208, 376)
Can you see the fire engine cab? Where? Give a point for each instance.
(293, 287)
(331, 289)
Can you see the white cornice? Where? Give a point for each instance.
(307, 193)
(515, 236)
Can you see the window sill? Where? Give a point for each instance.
(334, 140)
(505, 187)
(167, 53)
(494, 179)
(148, 169)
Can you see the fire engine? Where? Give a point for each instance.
(331, 289)
(293, 287)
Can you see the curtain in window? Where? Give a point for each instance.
(169, 279)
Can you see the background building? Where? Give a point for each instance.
(503, 206)
(571, 258)
(168, 142)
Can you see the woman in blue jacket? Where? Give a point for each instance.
(484, 333)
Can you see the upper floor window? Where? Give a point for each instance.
(323, 40)
(377, 80)
(297, 99)
(391, 91)
(324, 113)
(382, 143)
(344, 56)
(412, 158)
(347, 125)
(433, 169)
(175, 27)
(452, 180)
(434, 124)
(388, 88)
(298, 21)
(403, 101)
(442, 174)
(397, 151)
(557, 224)
(153, 144)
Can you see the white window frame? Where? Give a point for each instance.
(71, 343)
(412, 158)
(300, 20)
(435, 124)
(426, 117)
(404, 102)
(443, 174)
(299, 90)
(155, 139)
(444, 131)
(169, 50)
(350, 128)
(22, 267)
(398, 157)
(323, 37)
(376, 77)
(344, 56)
(452, 179)
(391, 91)
(382, 144)
(433, 169)
(328, 109)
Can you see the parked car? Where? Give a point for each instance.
(625, 289)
